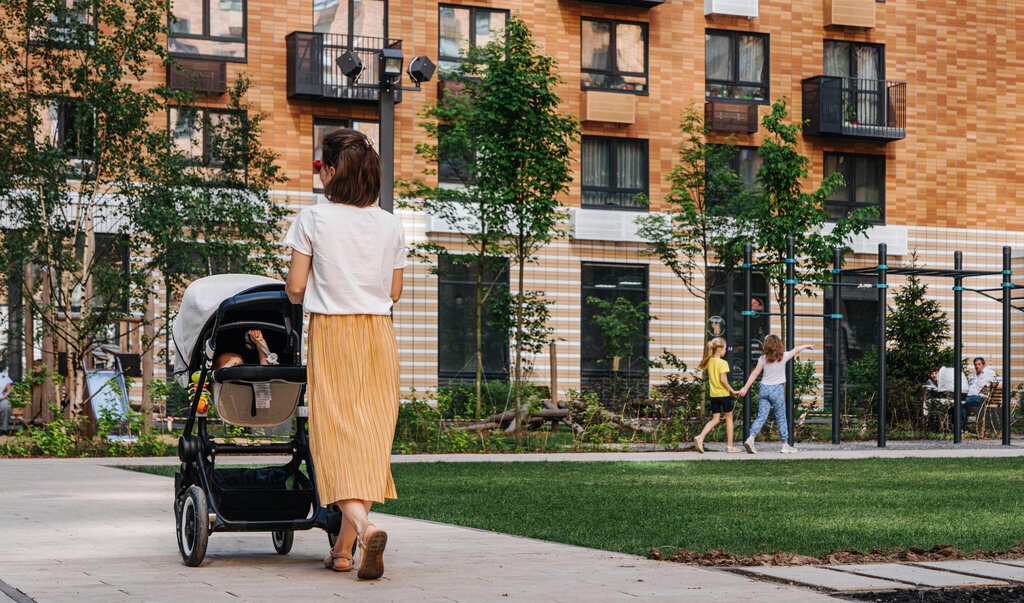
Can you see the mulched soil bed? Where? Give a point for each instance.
(719, 558)
(943, 595)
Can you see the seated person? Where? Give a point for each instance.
(931, 383)
(977, 382)
(253, 339)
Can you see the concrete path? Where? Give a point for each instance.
(84, 530)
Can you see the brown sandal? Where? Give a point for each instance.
(329, 561)
(371, 560)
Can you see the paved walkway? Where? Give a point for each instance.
(84, 529)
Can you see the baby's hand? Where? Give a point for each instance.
(257, 336)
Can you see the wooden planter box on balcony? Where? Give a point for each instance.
(850, 13)
(610, 107)
(726, 116)
(203, 76)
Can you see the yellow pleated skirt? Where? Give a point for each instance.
(353, 405)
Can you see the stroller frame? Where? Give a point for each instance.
(203, 505)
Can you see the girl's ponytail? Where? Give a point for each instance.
(709, 351)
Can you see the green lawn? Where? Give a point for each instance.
(811, 507)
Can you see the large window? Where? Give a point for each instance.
(67, 124)
(736, 65)
(356, 18)
(324, 126)
(609, 282)
(463, 27)
(862, 66)
(456, 323)
(72, 25)
(193, 131)
(725, 315)
(208, 28)
(614, 55)
(614, 172)
(865, 184)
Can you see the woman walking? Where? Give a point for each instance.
(772, 393)
(716, 371)
(346, 270)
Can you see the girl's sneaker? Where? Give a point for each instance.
(749, 445)
(787, 449)
(699, 443)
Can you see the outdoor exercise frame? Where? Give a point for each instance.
(880, 272)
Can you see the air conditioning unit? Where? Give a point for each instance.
(850, 13)
(207, 77)
(732, 8)
(725, 116)
(604, 225)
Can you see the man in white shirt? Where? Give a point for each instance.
(5, 404)
(976, 382)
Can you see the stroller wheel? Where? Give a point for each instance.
(283, 540)
(193, 522)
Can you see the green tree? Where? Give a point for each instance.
(696, 237)
(522, 144)
(476, 214)
(917, 330)
(783, 209)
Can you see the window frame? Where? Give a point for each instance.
(851, 204)
(853, 43)
(734, 37)
(613, 171)
(473, 10)
(244, 40)
(449, 376)
(205, 142)
(585, 292)
(614, 46)
(52, 26)
(351, 21)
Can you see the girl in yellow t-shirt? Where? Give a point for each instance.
(716, 371)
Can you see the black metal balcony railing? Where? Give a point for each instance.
(855, 108)
(313, 70)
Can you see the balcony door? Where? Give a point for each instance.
(360, 25)
(862, 67)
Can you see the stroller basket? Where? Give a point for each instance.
(258, 396)
(262, 494)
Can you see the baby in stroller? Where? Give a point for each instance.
(253, 340)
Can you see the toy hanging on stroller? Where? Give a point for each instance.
(215, 315)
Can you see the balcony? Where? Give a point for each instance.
(731, 8)
(853, 108)
(313, 71)
(724, 116)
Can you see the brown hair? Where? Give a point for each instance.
(356, 164)
(773, 349)
(710, 350)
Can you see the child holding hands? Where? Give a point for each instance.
(716, 371)
(772, 393)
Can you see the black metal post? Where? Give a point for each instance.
(748, 257)
(882, 287)
(790, 327)
(837, 262)
(387, 147)
(1007, 289)
(958, 313)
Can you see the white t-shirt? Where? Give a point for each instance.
(5, 380)
(976, 382)
(774, 373)
(355, 251)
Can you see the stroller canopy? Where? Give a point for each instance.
(198, 305)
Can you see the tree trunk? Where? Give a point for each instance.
(149, 334)
(479, 332)
(519, 339)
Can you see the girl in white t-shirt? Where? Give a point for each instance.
(772, 393)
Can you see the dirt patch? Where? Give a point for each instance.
(719, 558)
(945, 595)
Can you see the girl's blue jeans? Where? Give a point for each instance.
(771, 397)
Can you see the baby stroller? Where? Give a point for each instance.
(214, 316)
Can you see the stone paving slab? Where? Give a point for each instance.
(1016, 562)
(826, 579)
(912, 574)
(988, 569)
(85, 530)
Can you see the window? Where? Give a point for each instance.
(614, 172)
(67, 124)
(745, 163)
(725, 315)
(862, 67)
(736, 65)
(109, 272)
(192, 130)
(208, 28)
(858, 329)
(614, 55)
(456, 323)
(463, 27)
(324, 126)
(865, 184)
(357, 18)
(609, 282)
(71, 26)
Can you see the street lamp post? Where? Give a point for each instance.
(390, 61)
